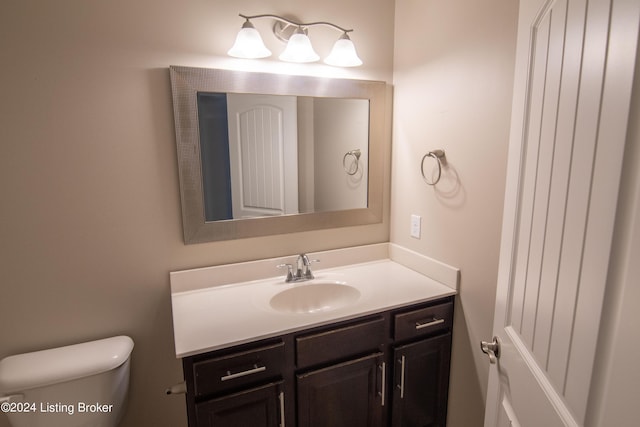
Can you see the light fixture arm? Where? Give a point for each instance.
(299, 24)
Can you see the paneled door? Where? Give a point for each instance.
(263, 154)
(421, 383)
(258, 407)
(343, 395)
(574, 68)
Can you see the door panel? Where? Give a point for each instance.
(258, 407)
(343, 395)
(421, 382)
(263, 153)
(575, 63)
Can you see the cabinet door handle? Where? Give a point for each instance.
(430, 323)
(401, 385)
(281, 398)
(383, 383)
(255, 370)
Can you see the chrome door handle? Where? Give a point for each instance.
(492, 349)
(401, 385)
(281, 399)
(383, 368)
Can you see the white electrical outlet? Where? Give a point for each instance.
(415, 226)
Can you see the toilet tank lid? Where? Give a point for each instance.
(41, 368)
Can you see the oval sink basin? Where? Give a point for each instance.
(315, 297)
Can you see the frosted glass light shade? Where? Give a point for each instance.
(343, 53)
(249, 44)
(299, 49)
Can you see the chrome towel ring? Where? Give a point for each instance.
(438, 155)
(355, 155)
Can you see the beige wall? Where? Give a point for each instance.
(453, 75)
(90, 220)
(340, 125)
(89, 215)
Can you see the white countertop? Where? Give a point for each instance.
(226, 315)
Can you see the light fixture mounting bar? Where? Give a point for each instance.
(299, 24)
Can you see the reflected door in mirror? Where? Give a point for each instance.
(263, 155)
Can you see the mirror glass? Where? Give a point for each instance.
(262, 154)
(266, 155)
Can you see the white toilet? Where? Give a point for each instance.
(81, 385)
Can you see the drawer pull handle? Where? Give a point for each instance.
(401, 385)
(255, 370)
(431, 323)
(281, 399)
(383, 368)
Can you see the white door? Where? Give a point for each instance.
(263, 154)
(574, 67)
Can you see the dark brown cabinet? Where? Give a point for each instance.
(348, 394)
(385, 369)
(237, 387)
(257, 407)
(420, 360)
(421, 382)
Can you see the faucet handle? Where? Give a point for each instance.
(289, 271)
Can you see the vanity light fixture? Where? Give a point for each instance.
(249, 44)
(299, 48)
(343, 53)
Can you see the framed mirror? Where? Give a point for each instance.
(262, 154)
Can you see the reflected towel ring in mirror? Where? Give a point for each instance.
(438, 155)
(355, 155)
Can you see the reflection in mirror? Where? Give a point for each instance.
(262, 154)
(266, 155)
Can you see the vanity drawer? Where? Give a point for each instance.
(423, 321)
(340, 342)
(238, 369)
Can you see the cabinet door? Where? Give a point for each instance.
(256, 407)
(421, 382)
(348, 394)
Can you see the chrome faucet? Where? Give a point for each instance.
(303, 269)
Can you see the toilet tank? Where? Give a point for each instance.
(74, 386)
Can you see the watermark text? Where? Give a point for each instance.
(56, 407)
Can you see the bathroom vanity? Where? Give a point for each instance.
(390, 368)
(271, 353)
